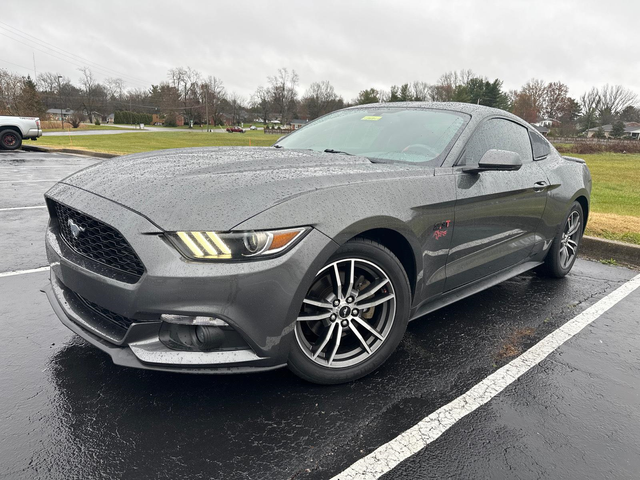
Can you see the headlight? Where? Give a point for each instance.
(235, 246)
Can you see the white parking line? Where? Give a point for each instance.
(21, 208)
(410, 442)
(23, 272)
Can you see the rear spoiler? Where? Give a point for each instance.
(574, 159)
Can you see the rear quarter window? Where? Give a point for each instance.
(541, 148)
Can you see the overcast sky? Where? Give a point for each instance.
(353, 44)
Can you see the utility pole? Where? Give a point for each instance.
(206, 105)
(60, 95)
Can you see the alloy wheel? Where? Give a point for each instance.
(347, 313)
(9, 140)
(569, 241)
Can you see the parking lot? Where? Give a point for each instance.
(67, 412)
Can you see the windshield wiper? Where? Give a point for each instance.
(278, 146)
(331, 150)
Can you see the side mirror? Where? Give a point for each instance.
(501, 160)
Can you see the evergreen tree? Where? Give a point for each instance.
(394, 94)
(617, 130)
(28, 101)
(368, 96)
(405, 93)
(599, 133)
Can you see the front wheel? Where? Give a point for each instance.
(564, 249)
(353, 316)
(10, 139)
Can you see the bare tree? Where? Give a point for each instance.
(236, 107)
(261, 101)
(186, 82)
(282, 87)
(590, 105)
(556, 100)
(535, 90)
(448, 82)
(212, 93)
(89, 91)
(319, 99)
(10, 89)
(616, 98)
(115, 88)
(420, 91)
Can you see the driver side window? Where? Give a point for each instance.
(498, 134)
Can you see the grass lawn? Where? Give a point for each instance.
(144, 142)
(615, 199)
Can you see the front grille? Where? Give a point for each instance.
(119, 320)
(98, 241)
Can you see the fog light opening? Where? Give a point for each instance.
(208, 338)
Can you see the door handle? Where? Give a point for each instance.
(540, 186)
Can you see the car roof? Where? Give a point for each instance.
(477, 111)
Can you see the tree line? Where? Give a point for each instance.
(205, 99)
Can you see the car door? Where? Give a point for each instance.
(497, 213)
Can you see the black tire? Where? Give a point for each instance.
(10, 139)
(555, 264)
(389, 316)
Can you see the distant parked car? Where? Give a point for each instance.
(235, 129)
(253, 127)
(14, 129)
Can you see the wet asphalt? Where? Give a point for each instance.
(67, 412)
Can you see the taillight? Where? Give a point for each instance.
(38, 122)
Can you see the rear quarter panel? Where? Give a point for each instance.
(569, 180)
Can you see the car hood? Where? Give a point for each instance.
(218, 188)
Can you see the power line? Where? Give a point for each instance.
(66, 52)
(71, 59)
(15, 64)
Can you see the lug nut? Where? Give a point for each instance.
(350, 300)
(355, 312)
(333, 316)
(336, 303)
(345, 323)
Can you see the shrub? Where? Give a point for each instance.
(75, 120)
(170, 120)
(583, 148)
(132, 118)
(97, 122)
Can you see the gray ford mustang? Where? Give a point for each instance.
(313, 253)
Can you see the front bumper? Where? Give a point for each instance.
(259, 300)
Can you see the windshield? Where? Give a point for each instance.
(393, 134)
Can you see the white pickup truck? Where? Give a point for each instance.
(14, 129)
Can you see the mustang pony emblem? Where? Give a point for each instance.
(76, 229)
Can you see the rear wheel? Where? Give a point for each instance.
(10, 139)
(564, 250)
(354, 315)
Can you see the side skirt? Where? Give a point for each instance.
(471, 289)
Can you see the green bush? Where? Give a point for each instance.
(97, 122)
(170, 120)
(125, 117)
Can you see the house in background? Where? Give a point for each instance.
(297, 123)
(547, 122)
(57, 113)
(159, 120)
(631, 129)
(541, 128)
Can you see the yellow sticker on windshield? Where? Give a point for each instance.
(371, 118)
